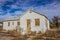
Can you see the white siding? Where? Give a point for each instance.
(23, 23)
(11, 27)
(5, 24)
(32, 16)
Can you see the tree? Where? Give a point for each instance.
(55, 20)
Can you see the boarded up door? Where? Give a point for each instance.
(28, 25)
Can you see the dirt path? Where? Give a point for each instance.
(5, 36)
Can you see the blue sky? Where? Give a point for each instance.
(14, 8)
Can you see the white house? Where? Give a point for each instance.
(29, 21)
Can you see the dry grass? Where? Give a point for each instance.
(49, 35)
(14, 33)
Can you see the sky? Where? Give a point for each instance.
(15, 8)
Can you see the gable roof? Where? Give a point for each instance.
(35, 12)
(39, 13)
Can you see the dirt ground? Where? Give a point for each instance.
(52, 34)
(5, 36)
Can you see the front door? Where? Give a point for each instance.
(28, 25)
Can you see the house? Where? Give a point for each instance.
(29, 21)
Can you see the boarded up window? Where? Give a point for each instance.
(37, 22)
(28, 22)
(18, 23)
(28, 25)
(8, 23)
(12, 23)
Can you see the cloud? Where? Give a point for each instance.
(4, 1)
(49, 10)
(14, 8)
(8, 16)
(17, 13)
(4, 17)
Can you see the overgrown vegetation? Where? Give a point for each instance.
(55, 22)
(49, 35)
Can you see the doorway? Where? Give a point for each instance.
(28, 25)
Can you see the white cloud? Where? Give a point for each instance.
(1, 11)
(4, 17)
(7, 17)
(3, 1)
(49, 10)
(18, 13)
(14, 6)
